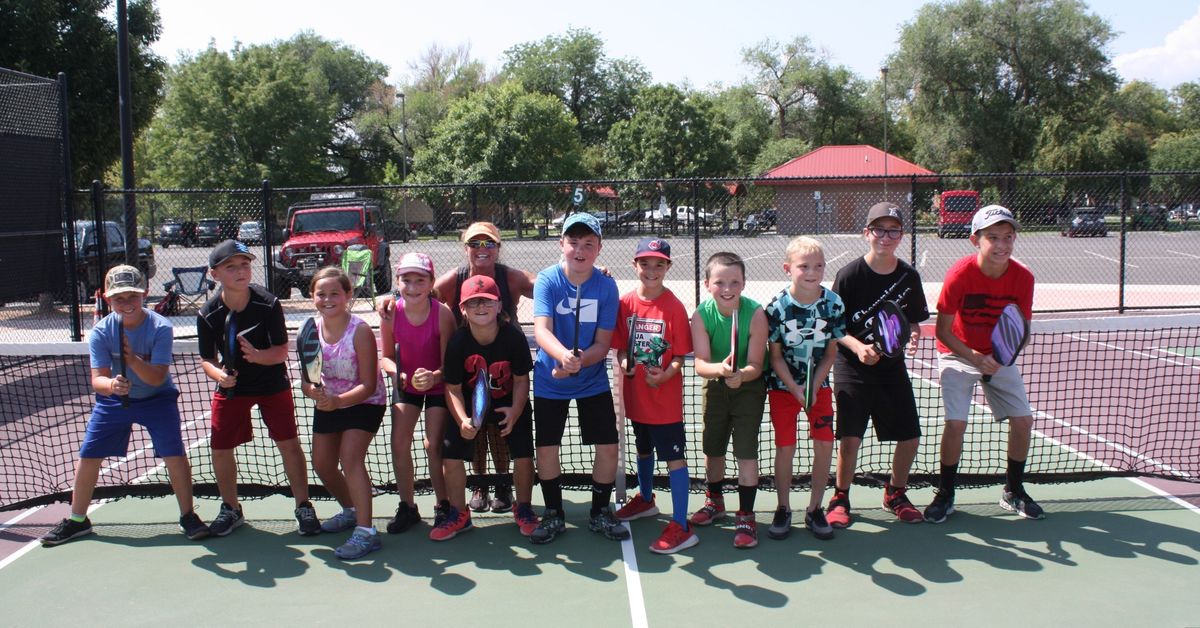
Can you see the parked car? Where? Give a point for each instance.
(90, 266)
(761, 221)
(210, 231)
(250, 232)
(1085, 221)
(320, 231)
(394, 230)
(177, 232)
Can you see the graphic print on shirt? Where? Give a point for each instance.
(589, 309)
(499, 374)
(650, 343)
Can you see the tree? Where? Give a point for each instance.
(1113, 135)
(598, 91)
(671, 134)
(45, 37)
(748, 123)
(779, 151)
(1177, 151)
(283, 111)
(1186, 98)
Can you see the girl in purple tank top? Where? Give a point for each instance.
(414, 336)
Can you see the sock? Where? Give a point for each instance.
(679, 495)
(714, 491)
(948, 479)
(842, 492)
(601, 496)
(645, 470)
(746, 497)
(552, 494)
(349, 511)
(1015, 476)
(78, 518)
(889, 489)
(365, 530)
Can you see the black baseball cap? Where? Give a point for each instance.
(227, 249)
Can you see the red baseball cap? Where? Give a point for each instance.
(479, 287)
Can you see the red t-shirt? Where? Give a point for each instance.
(975, 300)
(663, 319)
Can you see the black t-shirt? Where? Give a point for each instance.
(863, 291)
(503, 359)
(261, 322)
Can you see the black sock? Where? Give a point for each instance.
(552, 494)
(746, 497)
(714, 491)
(601, 496)
(948, 480)
(1015, 476)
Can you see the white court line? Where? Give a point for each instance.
(1161, 493)
(1142, 354)
(746, 259)
(1184, 254)
(633, 582)
(924, 257)
(1105, 257)
(1176, 354)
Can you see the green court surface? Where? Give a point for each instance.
(1109, 553)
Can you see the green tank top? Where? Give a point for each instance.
(719, 327)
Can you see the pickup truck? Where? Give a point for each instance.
(90, 267)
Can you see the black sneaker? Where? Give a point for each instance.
(551, 525)
(306, 518)
(605, 523)
(67, 530)
(192, 527)
(781, 525)
(816, 523)
(479, 500)
(405, 517)
(1021, 503)
(940, 508)
(227, 519)
(503, 502)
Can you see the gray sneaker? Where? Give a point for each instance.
(306, 519)
(340, 522)
(781, 525)
(551, 525)
(816, 523)
(227, 519)
(605, 523)
(1022, 504)
(358, 545)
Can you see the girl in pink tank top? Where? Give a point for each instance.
(414, 336)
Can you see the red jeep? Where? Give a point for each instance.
(319, 231)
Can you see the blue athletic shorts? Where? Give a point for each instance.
(110, 426)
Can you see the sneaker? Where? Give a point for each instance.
(551, 525)
(527, 522)
(503, 501)
(605, 523)
(838, 513)
(405, 516)
(637, 508)
(1021, 503)
(439, 512)
(673, 539)
(67, 530)
(745, 532)
(306, 518)
(898, 504)
(227, 519)
(781, 525)
(713, 509)
(941, 507)
(479, 500)
(454, 523)
(342, 521)
(358, 545)
(193, 528)
(816, 523)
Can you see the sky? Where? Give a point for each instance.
(696, 43)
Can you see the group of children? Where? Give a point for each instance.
(474, 375)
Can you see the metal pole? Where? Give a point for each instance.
(1121, 256)
(68, 209)
(403, 137)
(884, 72)
(98, 269)
(268, 222)
(131, 238)
(696, 240)
(912, 221)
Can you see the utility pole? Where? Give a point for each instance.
(884, 71)
(403, 138)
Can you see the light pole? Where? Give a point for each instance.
(884, 71)
(403, 137)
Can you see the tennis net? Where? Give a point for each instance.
(1116, 396)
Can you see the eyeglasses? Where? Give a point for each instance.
(478, 303)
(482, 244)
(880, 232)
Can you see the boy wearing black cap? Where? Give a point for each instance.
(869, 386)
(260, 379)
(653, 392)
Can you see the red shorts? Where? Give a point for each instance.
(231, 418)
(785, 409)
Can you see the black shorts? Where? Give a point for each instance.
(519, 441)
(364, 416)
(423, 401)
(597, 420)
(667, 439)
(887, 402)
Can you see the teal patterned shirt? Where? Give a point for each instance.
(804, 331)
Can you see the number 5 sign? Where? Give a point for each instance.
(577, 197)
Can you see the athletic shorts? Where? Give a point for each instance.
(666, 439)
(1005, 392)
(231, 424)
(733, 412)
(519, 441)
(597, 420)
(423, 401)
(887, 402)
(364, 416)
(786, 409)
(109, 428)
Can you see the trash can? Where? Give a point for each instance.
(541, 232)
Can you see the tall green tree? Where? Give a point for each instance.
(671, 134)
(1113, 135)
(748, 122)
(45, 37)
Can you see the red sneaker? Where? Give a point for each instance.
(449, 528)
(527, 522)
(637, 508)
(897, 503)
(838, 512)
(745, 533)
(674, 538)
(714, 508)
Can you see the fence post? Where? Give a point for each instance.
(1121, 255)
(912, 217)
(695, 238)
(474, 204)
(68, 210)
(98, 269)
(267, 222)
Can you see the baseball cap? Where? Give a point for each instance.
(479, 287)
(582, 218)
(991, 215)
(123, 278)
(485, 229)
(884, 210)
(653, 247)
(415, 262)
(227, 249)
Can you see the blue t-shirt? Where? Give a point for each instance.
(554, 297)
(151, 341)
(804, 330)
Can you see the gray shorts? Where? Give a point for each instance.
(1005, 392)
